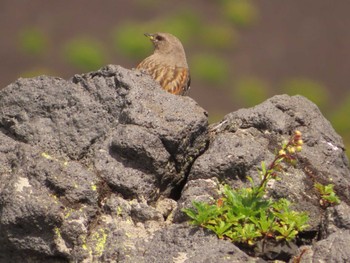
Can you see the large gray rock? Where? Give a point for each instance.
(333, 249)
(97, 169)
(245, 138)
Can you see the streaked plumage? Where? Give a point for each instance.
(168, 64)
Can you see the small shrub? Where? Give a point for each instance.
(245, 215)
(328, 196)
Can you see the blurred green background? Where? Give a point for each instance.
(240, 52)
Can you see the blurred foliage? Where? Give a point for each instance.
(32, 41)
(184, 25)
(240, 12)
(340, 117)
(310, 89)
(129, 40)
(37, 72)
(318, 93)
(215, 116)
(218, 36)
(251, 91)
(84, 53)
(148, 4)
(340, 121)
(209, 68)
(209, 41)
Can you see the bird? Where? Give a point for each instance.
(167, 65)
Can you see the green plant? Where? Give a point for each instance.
(328, 196)
(206, 213)
(245, 215)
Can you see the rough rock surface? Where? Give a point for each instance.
(97, 169)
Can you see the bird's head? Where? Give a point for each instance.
(165, 43)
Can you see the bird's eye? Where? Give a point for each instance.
(159, 38)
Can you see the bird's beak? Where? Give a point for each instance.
(150, 36)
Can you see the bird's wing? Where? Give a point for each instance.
(175, 80)
(145, 64)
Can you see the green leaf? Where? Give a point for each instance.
(248, 233)
(202, 213)
(327, 193)
(263, 167)
(220, 228)
(286, 232)
(264, 222)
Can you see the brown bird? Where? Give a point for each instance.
(167, 65)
